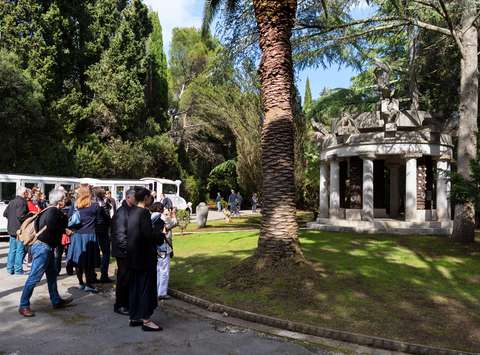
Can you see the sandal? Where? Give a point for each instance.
(147, 328)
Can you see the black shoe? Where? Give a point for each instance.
(63, 303)
(121, 310)
(135, 323)
(105, 280)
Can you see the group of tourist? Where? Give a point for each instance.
(138, 234)
(234, 203)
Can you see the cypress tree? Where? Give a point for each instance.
(156, 90)
(307, 101)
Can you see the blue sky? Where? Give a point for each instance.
(188, 13)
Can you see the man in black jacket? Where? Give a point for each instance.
(119, 239)
(15, 213)
(51, 224)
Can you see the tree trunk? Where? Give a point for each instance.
(412, 55)
(279, 230)
(464, 222)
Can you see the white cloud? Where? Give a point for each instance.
(176, 13)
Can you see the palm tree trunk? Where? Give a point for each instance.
(464, 223)
(279, 230)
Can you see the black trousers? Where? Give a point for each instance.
(104, 243)
(58, 260)
(143, 294)
(122, 288)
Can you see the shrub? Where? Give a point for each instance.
(183, 219)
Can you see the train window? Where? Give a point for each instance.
(30, 185)
(8, 191)
(169, 189)
(48, 188)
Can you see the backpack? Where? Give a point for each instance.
(27, 233)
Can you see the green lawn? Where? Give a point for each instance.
(419, 289)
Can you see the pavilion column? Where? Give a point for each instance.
(334, 189)
(367, 189)
(323, 209)
(394, 191)
(411, 189)
(443, 168)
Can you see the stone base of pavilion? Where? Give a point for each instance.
(382, 226)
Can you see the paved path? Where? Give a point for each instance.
(91, 327)
(214, 215)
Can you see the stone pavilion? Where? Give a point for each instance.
(386, 171)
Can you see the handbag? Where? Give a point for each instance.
(74, 219)
(65, 239)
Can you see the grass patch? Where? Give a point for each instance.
(412, 288)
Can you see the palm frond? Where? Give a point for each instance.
(211, 8)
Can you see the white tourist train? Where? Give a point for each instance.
(10, 182)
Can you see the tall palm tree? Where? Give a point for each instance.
(279, 230)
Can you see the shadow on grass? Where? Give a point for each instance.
(418, 289)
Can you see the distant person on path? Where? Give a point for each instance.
(101, 231)
(119, 239)
(83, 251)
(165, 253)
(254, 202)
(142, 262)
(232, 202)
(15, 213)
(239, 203)
(54, 223)
(218, 202)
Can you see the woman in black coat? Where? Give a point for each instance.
(142, 262)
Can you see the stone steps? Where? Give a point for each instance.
(388, 226)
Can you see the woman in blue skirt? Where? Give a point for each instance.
(84, 251)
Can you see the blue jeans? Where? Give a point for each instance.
(16, 254)
(219, 206)
(43, 263)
